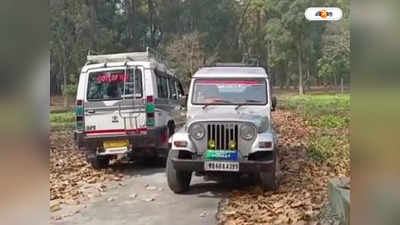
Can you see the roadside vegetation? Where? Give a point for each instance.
(314, 147)
(62, 120)
(329, 118)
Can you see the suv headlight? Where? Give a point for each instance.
(197, 131)
(247, 132)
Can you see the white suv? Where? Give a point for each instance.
(229, 130)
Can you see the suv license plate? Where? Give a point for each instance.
(221, 166)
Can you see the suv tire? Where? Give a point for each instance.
(270, 180)
(178, 181)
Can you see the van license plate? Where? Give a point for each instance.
(221, 166)
(116, 144)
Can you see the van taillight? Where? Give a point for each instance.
(79, 112)
(150, 112)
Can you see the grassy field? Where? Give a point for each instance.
(62, 120)
(329, 117)
(324, 111)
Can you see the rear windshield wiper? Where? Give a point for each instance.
(245, 103)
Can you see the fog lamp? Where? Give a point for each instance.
(211, 144)
(232, 145)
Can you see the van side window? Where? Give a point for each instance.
(162, 85)
(172, 89)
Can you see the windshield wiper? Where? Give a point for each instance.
(245, 103)
(205, 106)
(216, 101)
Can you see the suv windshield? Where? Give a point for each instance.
(109, 85)
(230, 91)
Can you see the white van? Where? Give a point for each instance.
(127, 104)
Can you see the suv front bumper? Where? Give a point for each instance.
(245, 166)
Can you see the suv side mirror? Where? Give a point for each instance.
(273, 103)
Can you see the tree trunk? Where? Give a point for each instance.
(341, 85)
(65, 86)
(150, 6)
(92, 19)
(335, 83)
(299, 62)
(131, 10)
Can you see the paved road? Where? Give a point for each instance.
(198, 206)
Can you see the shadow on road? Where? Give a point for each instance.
(199, 186)
(218, 189)
(141, 168)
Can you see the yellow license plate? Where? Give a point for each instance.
(116, 144)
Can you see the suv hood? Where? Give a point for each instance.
(218, 115)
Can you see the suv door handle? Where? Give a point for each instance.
(90, 111)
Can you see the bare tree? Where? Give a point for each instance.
(187, 54)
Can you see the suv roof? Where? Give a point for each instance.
(229, 72)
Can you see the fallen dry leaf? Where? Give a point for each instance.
(303, 189)
(71, 177)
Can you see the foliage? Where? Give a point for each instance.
(62, 120)
(71, 87)
(329, 116)
(187, 54)
(65, 117)
(335, 60)
(192, 33)
(328, 111)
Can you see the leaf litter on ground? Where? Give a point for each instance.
(303, 190)
(72, 179)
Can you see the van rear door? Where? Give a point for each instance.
(115, 102)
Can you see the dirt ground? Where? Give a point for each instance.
(300, 199)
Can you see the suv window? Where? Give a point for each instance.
(109, 85)
(172, 89)
(162, 86)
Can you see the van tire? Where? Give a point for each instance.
(270, 180)
(178, 181)
(99, 162)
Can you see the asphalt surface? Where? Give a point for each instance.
(145, 199)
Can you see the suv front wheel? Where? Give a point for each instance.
(178, 181)
(270, 180)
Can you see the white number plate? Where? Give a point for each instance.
(221, 166)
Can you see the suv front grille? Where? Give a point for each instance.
(222, 134)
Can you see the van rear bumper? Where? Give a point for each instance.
(150, 138)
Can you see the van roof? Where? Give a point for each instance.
(229, 72)
(148, 59)
(145, 64)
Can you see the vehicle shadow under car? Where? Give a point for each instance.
(199, 186)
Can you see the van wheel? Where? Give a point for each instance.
(99, 162)
(178, 181)
(270, 180)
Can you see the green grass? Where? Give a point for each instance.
(322, 147)
(325, 111)
(329, 115)
(62, 120)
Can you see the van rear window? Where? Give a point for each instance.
(114, 85)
